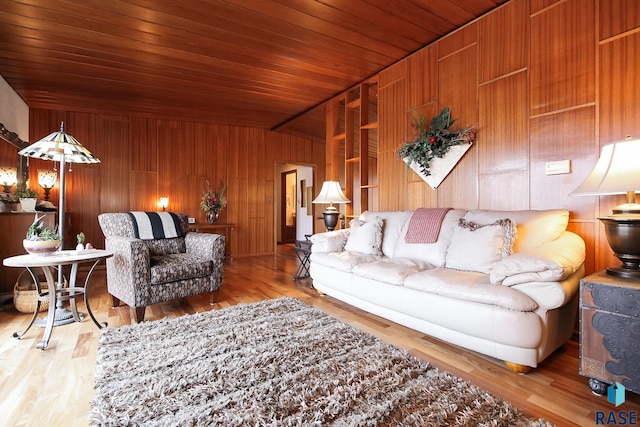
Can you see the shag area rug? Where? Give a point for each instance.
(276, 363)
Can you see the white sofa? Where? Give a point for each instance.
(504, 284)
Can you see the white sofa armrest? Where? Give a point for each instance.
(331, 241)
(551, 295)
(550, 262)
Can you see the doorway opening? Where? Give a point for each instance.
(294, 213)
(288, 206)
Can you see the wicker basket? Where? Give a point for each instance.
(25, 295)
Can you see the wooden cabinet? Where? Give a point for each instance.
(14, 228)
(610, 331)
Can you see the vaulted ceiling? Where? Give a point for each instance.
(257, 63)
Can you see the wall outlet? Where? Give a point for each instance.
(192, 220)
(558, 167)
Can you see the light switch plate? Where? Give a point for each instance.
(192, 220)
(558, 167)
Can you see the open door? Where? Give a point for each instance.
(288, 201)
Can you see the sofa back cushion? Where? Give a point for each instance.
(121, 224)
(392, 225)
(166, 246)
(365, 237)
(534, 227)
(433, 253)
(156, 225)
(478, 247)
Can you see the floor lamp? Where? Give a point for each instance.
(331, 193)
(63, 148)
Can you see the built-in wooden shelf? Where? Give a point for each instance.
(352, 119)
(373, 125)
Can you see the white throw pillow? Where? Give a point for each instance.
(330, 241)
(534, 227)
(365, 237)
(478, 247)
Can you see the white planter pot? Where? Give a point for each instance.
(28, 205)
(440, 168)
(41, 247)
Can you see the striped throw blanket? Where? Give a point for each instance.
(424, 225)
(156, 225)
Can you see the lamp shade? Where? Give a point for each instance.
(47, 178)
(163, 202)
(8, 176)
(617, 171)
(59, 146)
(331, 193)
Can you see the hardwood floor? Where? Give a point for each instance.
(55, 387)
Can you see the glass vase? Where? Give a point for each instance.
(212, 216)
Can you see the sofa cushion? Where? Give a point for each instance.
(365, 237)
(469, 286)
(331, 241)
(534, 227)
(166, 246)
(433, 253)
(175, 267)
(392, 226)
(390, 270)
(478, 247)
(550, 262)
(523, 268)
(343, 261)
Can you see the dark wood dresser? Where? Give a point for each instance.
(610, 331)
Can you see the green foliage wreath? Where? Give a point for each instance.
(433, 141)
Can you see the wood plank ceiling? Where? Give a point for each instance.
(256, 63)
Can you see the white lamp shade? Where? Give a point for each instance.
(8, 176)
(47, 178)
(617, 171)
(331, 193)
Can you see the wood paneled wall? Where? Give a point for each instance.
(543, 80)
(143, 159)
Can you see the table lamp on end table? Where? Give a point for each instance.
(329, 194)
(618, 172)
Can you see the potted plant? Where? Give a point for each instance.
(40, 239)
(80, 237)
(27, 197)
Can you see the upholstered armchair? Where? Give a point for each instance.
(156, 259)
